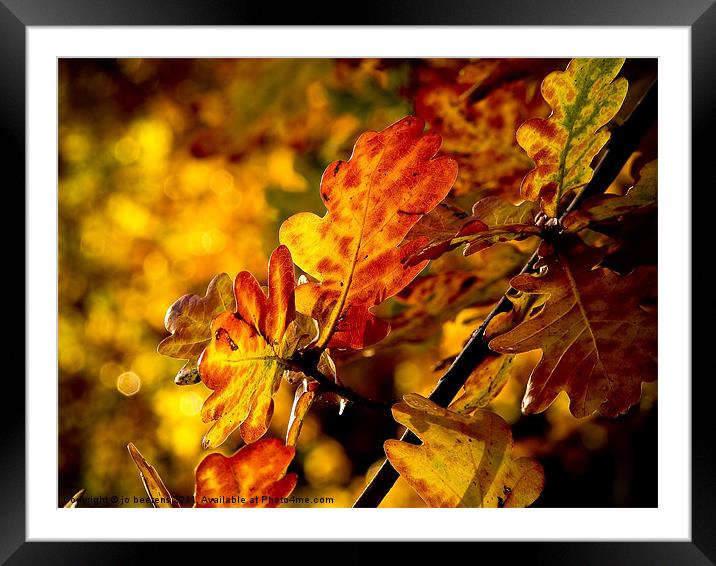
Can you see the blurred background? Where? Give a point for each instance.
(174, 170)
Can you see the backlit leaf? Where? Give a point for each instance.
(484, 383)
(493, 220)
(604, 208)
(373, 200)
(253, 477)
(74, 500)
(417, 312)
(463, 461)
(247, 355)
(583, 98)
(189, 322)
(481, 134)
(153, 484)
(437, 229)
(598, 341)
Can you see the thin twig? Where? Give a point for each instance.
(623, 143)
(307, 363)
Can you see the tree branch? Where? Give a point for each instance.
(623, 143)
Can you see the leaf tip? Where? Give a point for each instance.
(75, 499)
(134, 453)
(206, 442)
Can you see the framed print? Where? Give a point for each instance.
(394, 279)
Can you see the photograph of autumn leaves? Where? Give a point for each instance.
(357, 283)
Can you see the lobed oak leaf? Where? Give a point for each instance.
(583, 98)
(189, 322)
(639, 199)
(493, 220)
(463, 461)
(372, 201)
(255, 476)
(247, 356)
(598, 341)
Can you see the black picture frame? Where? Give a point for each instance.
(698, 15)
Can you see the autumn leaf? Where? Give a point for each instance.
(436, 298)
(189, 322)
(463, 461)
(493, 220)
(484, 383)
(253, 477)
(153, 484)
(598, 341)
(436, 229)
(247, 356)
(640, 198)
(481, 134)
(373, 200)
(418, 311)
(583, 99)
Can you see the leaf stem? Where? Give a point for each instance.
(623, 143)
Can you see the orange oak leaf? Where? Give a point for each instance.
(597, 336)
(493, 220)
(463, 461)
(373, 199)
(583, 99)
(189, 322)
(640, 198)
(253, 477)
(247, 355)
